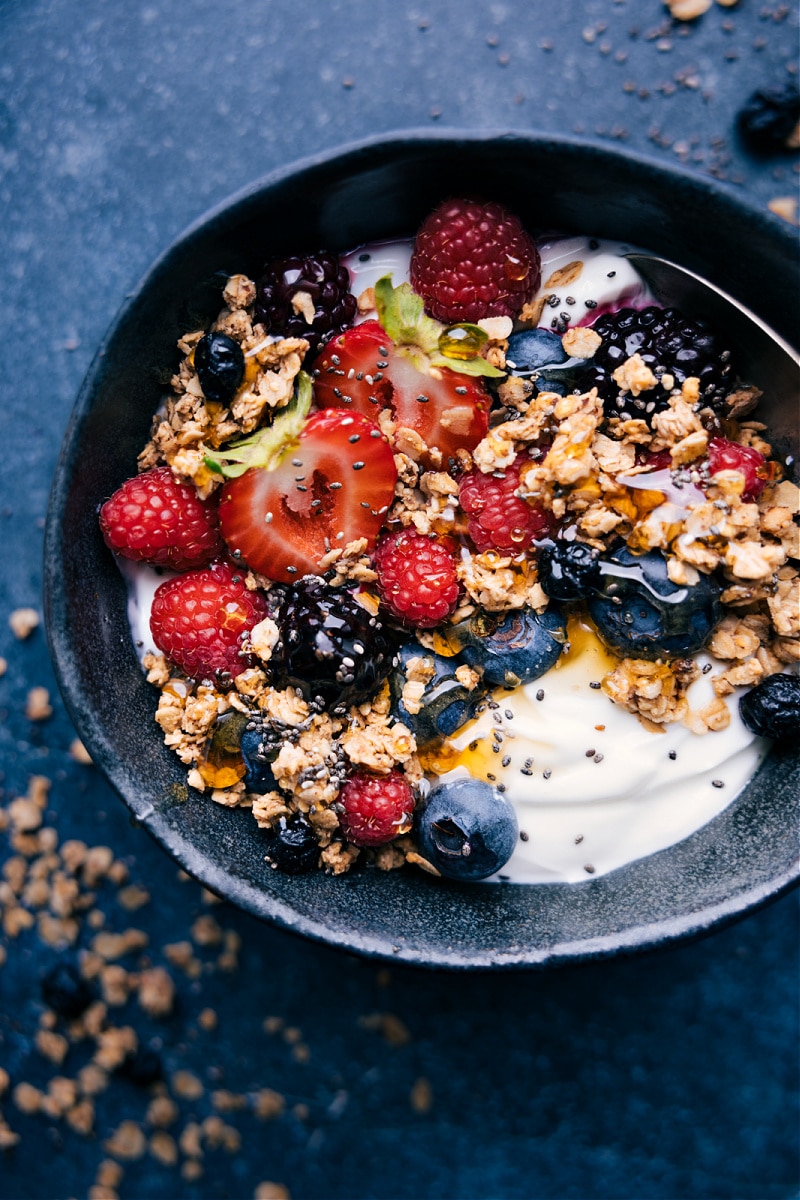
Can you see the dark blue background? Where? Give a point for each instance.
(671, 1075)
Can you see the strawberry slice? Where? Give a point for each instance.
(302, 487)
(396, 365)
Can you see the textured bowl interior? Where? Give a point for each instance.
(379, 190)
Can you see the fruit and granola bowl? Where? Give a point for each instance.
(443, 595)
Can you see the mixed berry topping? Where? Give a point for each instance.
(772, 708)
(472, 261)
(417, 578)
(466, 829)
(330, 646)
(219, 363)
(672, 345)
(640, 612)
(201, 620)
(375, 553)
(375, 808)
(291, 846)
(725, 455)
(568, 570)
(306, 297)
(499, 519)
(158, 519)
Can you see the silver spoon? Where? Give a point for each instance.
(761, 356)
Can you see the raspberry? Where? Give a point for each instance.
(474, 260)
(416, 578)
(318, 276)
(376, 808)
(499, 519)
(154, 518)
(199, 619)
(730, 456)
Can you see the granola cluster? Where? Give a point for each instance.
(584, 469)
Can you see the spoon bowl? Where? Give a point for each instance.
(761, 353)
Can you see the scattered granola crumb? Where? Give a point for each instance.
(79, 753)
(687, 10)
(37, 705)
(421, 1096)
(186, 1085)
(785, 207)
(127, 1141)
(23, 621)
(267, 1190)
(156, 992)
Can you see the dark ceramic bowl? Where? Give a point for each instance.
(381, 189)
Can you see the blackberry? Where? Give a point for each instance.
(292, 846)
(66, 991)
(669, 343)
(772, 709)
(768, 121)
(330, 647)
(219, 363)
(568, 570)
(322, 277)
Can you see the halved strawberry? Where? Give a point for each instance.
(396, 364)
(302, 487)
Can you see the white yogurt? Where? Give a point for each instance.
(142, 582)
(637, 792)
(604, 281)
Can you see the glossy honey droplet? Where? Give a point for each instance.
(222, 763)
(515, 268)
(462, 342)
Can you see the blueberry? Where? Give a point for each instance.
(292, 846)
(258, 758)
(532, 349)
(466, 829)
(539, 354)
(568, 570)
(446, 703)
(514, 649)
(772, 709)
(219, 363)
(65, 991)
(641, 613)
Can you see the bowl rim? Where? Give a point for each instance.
(259, 902)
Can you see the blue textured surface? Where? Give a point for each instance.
(672, 1075)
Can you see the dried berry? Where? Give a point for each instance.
(65, 991)
(768, 121)
(292, 846)
(219, 363)
(772, 709)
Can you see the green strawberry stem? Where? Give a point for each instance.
(267, 447)
(401, 313)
